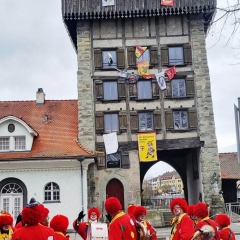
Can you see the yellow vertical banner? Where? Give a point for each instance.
(147, 147)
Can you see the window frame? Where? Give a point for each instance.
(119, 165)
(187, 121)
(141, 59)
(185, 89)
(51, 191)
(104, 90)
(105, 52)
(19, 143)
(139, 125)
(144, 89)
(104, 120)
(169, 53)
(3, 144)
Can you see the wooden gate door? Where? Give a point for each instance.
(115, 189)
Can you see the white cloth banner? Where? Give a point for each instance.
(110, 142)
(161, 80)
(107, 3)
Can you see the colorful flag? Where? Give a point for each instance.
(139, 51)
(149, 76)
(161, 80)
(143, 68)
(167, 2)
(147, 147)
(171, 72)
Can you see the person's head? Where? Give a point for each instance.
(200, 210)
(130, 209)
(190, 212)
(139, 213)
(222, 220)
(59, 223)
(44, 215)
(112, 206)
(6, 221)
(93, 214)
(32, 213)
(178, 206)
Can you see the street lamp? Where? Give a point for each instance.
(81, 159)
(237, 117)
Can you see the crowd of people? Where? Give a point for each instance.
(189, 223)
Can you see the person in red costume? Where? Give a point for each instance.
(201, 212)
(31, 216)
(82, 227)
(44, 218)
(223, 222)
(182, 225)
(140, 213)
(122, 225)
(6, 226)
(59, 224)
(191, 215)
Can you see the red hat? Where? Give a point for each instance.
(181, 202)
(44, 212)
(131, 209)
(222, 220)
(94, 209)
(190, 210)
(139, 210)
(200, 210)
(59, 223)
(32, 213)
(5, 219)
(112, 205)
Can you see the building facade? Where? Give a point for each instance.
(105, 40)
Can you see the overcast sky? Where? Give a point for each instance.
(36, 52)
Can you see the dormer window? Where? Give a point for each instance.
(20, 143)
(4, 143)
(11, 127)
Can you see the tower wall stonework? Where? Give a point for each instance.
(86, 126)
(209, 158)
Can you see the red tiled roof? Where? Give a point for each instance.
(169, 175)
(230, 168)
(57, 138)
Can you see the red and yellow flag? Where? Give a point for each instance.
(143, 68)
(167, 2)
(171, 72)
(139, 51)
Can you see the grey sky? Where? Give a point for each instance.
(35, 51)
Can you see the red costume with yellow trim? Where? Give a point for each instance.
(225, 233)
(137, 212)
(31, 216)
(82, 227)
(59, 224)
(201, 212)
(122, 226)
(6, 232)
(182, 226)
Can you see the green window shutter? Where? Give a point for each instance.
(192, 118)
(131, 57)
(155, 89)
(98, 59)
(168, 91)
(132, 91)
(164, 55)
(125, 160)
(101, 161)
(123, 121)
(153, 56)
(187, 54)
(121, 89)
(190, 87)
(120, 58)
(98, 90)
(169, 120)
(99, 121)
(157, 119)
(134, 121)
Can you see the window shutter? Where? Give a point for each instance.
(98, 90)
(190, 87)
(98, 58)
(187, 54)
(155, 89)
(121, 89)
(132, 91)
(168, 92)
(164, 56)
(120, 58)
(157, 120)
(99, 121)
(192, 118)
(131, 57)
(169, 120)
(122, 121)
(134, 121)
(101, 161)
(125, 160)
(153, 56)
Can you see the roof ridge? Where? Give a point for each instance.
(83, 148)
